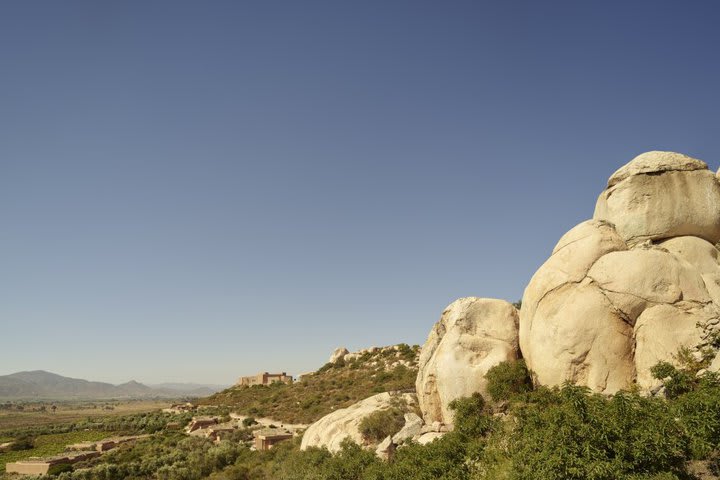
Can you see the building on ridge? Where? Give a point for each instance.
(264, 378)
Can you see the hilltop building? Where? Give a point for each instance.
(264, 378)
(198, 423)
(266, 438)
(42, 466)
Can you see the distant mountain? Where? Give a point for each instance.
(42, 385)
(191, 389)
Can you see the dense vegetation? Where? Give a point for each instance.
(44, 440)
(382, 423)
(544, 434)
(519, 433)
(335, 385)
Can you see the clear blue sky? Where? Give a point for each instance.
(192, 191)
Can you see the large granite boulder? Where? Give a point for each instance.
(661, 195)
(472, 336)
(332, 429)
(631, 287)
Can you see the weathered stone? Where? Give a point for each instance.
(638, 279)
(570, 261)
(429, 437)
(659, 332)
(332, 429)
(338, 354)
(656, 162)
(385, 449)
(412, 428)
(609, 304)
(577, 335)
(715, 365)
(472, 336)
(701, 254)
(662, 195)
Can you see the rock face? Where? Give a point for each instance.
(473, 335)
(630, 287)
(662, 195)
(411, 429)
(338, 354)
(332, 429)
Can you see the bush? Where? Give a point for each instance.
(24, 442)
(378, 425)
(249, 421)
(568, 433)
(507, 379)
(676, 382)
(470, 418)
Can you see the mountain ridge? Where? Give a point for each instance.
(45, 385)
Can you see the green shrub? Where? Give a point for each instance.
(507, 379)
(378, 425)
(470, 418)
(24, 442)
(676, 382)
(249, 421)
(572, 435)
(56, 470)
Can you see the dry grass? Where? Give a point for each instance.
(331, 387)
(47, 445)
(69, 412)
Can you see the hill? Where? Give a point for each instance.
(42, 385)
(335, 385)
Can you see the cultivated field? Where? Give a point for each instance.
(69, 412)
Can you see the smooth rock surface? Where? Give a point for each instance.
(656, 162)
(661, 195)
(472, 335)
(659, 333)
(577, 335)
(332, 429)
(411, 429)
(429, 437)
(633, 286)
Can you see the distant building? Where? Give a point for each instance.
(105, 444)
(266, 438)
(265, 378)
(216, 432)
(201, 422)
(41, 466)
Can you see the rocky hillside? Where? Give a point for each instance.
(633, 288)
(346, 379)
(609, 370)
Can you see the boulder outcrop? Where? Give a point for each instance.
(332, 429)
(338, 354)
(472, 336)
(661, 195)
(629, 288)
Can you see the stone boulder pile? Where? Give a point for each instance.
(633, 285)
(620, 292)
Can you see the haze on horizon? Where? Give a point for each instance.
(195, 191)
